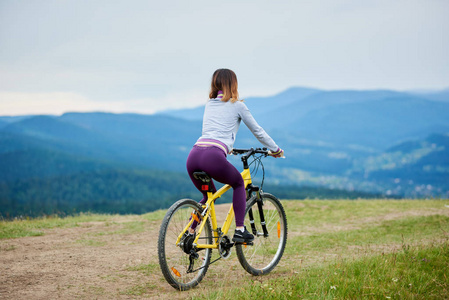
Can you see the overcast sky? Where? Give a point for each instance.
(144, 56)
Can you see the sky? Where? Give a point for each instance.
(145, 56)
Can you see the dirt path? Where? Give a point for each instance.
(96, 260)
(117, 259)
(73, 262)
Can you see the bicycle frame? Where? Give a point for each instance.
(209, 212)
(185, 258)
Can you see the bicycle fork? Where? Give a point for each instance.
(250, 189)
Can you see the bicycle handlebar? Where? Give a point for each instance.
(251, 151)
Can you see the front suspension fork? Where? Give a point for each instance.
(259, 201)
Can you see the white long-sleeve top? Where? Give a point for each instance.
(221, 122)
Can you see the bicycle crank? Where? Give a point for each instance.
(224, 246)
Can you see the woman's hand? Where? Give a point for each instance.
(276, 154)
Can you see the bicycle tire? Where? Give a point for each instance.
(266, 251)
(173, 260)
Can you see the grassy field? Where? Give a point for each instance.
(343, 249)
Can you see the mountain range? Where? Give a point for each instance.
(386, 142)
(334, 136)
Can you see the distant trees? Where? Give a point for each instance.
(113, 191)
(120, 191)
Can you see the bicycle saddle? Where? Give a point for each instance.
(202, 176)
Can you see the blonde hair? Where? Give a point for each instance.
(224, 80)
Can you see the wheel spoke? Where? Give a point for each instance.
(175, 260)
(266, 252)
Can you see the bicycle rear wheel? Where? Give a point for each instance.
(267, 249)
(181, 269)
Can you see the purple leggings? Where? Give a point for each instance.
(212, 160)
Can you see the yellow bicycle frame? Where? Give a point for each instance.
(209, 212)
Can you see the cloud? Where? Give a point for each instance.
(155, 55)
(57, 103)
(17, 103)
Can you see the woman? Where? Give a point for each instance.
(222, 116)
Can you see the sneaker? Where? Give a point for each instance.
(242, 237)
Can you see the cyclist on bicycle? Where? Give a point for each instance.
(222, 116)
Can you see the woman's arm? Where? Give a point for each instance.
(255, 128)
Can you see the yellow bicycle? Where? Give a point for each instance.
(184, 259)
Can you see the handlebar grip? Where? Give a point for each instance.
(283, 156)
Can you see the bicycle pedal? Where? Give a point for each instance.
(244, 243)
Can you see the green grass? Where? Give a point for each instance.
(126, 228)
(392, 232)
(419, 272)
(395, 249)
(310, 213)
(90, 242)
(146, 269)
(155, 215)
(36, 227)
(140, 289)
(337, 249)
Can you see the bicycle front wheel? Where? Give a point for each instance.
(268, 246)
(182, 268)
